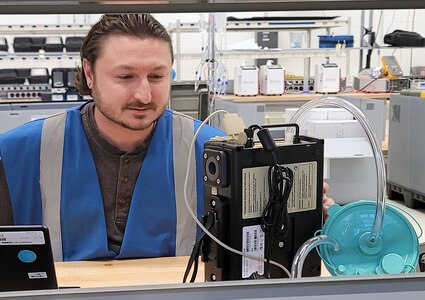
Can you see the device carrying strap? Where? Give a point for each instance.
(194, 256)
(51, 156)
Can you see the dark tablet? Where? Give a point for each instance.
(26, 260)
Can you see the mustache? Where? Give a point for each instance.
(136, 104)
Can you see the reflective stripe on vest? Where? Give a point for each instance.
(186, 226)
(51, 157)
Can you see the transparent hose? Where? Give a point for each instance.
(376, 149)
(304, 250)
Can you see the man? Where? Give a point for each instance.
(107, 177)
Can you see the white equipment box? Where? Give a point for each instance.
(272, 80)
(246, 81)
(327, 78)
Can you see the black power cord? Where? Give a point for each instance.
(275, 217)
(196, 250)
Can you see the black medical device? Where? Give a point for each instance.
(237, 191)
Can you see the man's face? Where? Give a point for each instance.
(130, 81)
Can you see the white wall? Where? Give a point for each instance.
(411, 20)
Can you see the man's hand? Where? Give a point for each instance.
(326, 201)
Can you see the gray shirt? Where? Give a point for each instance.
(6, 217)
(117, 172)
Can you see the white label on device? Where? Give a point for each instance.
(304, 190)
(253, 242)
(22, 238)
(255, 189)
(37, 275)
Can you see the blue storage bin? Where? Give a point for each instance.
(330, 41)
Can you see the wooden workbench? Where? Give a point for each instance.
(87, 274)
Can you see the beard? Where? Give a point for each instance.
(138, 123)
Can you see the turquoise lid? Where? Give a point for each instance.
(395, 251)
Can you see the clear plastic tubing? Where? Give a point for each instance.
(376, 149)
(304, 250)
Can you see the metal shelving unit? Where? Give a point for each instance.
(289, 24)
(51, 59)
(284, 53)
(44, 29)
(32, 57)
(267, 25)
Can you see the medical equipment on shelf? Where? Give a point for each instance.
(246, 80)
(369, 80)
(327, 78)
(362, 237)
(376, 85)
(272, 79)
(24, 83)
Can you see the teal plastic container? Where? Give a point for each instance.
(395, 251)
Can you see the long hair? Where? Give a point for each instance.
(138, 25)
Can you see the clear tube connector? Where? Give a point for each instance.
(304, 250)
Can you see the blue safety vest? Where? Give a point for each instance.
(157, 224)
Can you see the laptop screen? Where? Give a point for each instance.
(26, 260)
